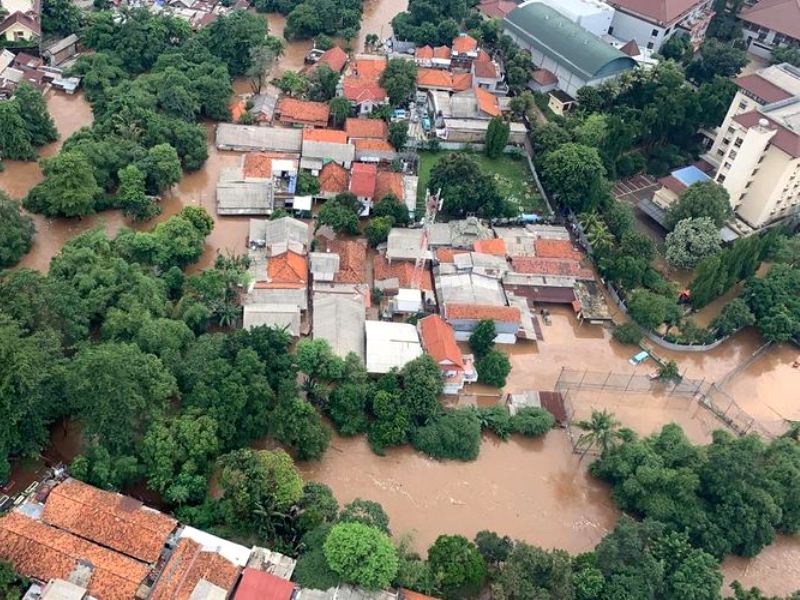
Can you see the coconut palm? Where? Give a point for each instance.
(602, 431)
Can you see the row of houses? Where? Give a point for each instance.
(77, 542)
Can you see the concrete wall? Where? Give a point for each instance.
(764, 199)
(628, 27)
(740, 104)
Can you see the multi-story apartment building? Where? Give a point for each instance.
(757, 149)
(653, 22)
(770, 23)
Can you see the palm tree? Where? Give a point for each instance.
(602, 431)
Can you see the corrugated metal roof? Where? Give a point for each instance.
(251, 137)
(566, 42)
(339, 318)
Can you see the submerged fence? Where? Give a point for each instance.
(576, 379)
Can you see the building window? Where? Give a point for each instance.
(738, 142)
(749, 183)
(727, 165)
(732, 155)
(649, 45)
(720, 152)
(742, 105)
(611, 31)
(654, 33)
(726, 141)
(731, 130)
(721, 179)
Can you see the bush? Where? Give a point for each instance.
(497, 420)
(532, 422)
(628, 333)
(454, 435)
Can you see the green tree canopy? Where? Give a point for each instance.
(69, 188)
(457, 567)
(399, 79)
(493, 368)
(691, 241)
(575, 175)
(704, 199)
(362, 555)
(16, 232)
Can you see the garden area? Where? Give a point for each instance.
(510, 174)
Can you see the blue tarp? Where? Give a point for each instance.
(689, 175)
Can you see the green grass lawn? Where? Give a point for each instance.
(512, 176)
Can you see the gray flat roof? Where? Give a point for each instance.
(339, 318)
(251, 137)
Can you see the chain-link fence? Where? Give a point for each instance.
(572, 379)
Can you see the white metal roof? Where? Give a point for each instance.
(235, 553)
(282, 316)
(390, 345)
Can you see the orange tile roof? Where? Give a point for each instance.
(352, 260)
(462, 81)
(462, 44)
(403, 271)
(292, 110)
(287, 270)
(332, 136)
(442, 52)
(446, 255)
(478, 312)
(424, 52)
(389, 182)
(366, 68)
(487, 102)
(258, 585)
(483, 56)
(333, 178)
(362, 179)
(564, 267)
(360, 90)
(119, 522)
(187, 566)
(371, 144)
(496, 246)
(257, 165)
(409, 595)
(238, 108)
(439, 341)
(555, 249)
(366, 128)
(434, 78)
(335, 58)
(485, 70)
(44, 552)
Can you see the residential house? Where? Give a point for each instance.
(438, 79)
(756, 153)
(559, 267)
(373, 129)
(575, 56)
(352, 261)
(260, 184)
(560, 102)
(324, 145)
(594, 16)
(486, 75)
(194, 569)
(339, 319)
(427, 57)
(770, 23)
(370, 150)
(543, 81)
(362, 86)
(473, 131)
(469, 104)
(464, 318)
(390, 183)
(251, 138)
(653, 22)
(464, 50)
(493, 246)
(439, 341)
(304, 113)
(406, 244)
(282, 316)
(263, 109)
(334, 58)
(61, 51)
(489, 265)
(495, 9)
(363, 177)
(279, 234)
(22, 22)
(391, 277)
(323, 265)
(258, 585)
(672, 186)
(390, 345)
(333, 179)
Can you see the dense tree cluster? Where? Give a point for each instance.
(25, 124)
(150, 80)
(306, 19)
(431, 23)
(16, 232)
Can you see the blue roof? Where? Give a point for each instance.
(690, 175)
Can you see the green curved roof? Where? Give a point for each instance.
(566, 42)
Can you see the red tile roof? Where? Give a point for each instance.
(425, 52)
(333, 178)
(673, 184)
(782, 16)
(544, 77)
(551, 266)
(362, 180)
(292, 110)
(462, 81)
(555, 249)
(369, 68)
(659, 11)
(764, 89)
(286, 270)
(44, 552)
(258, 165)
(485, 70)
(487, 102)
(464, 43)
(631, 49)
(237, 108)
(389, 182)
(403, 271)
(495, 246)
(479, 312)
(366, 128)
(23, 19)
(439, 341)
(358, 90)
(553, 402)
(371, 144)
(352, 260)
(332, 136)
(258, 585)
(188, 565)
(786, 140)
(119, 522)
(445, 255)
(442, 52)
(434, 78)
(483, 56)
(335, 58)
(496, 9)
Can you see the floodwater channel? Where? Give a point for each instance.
(535, 490)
